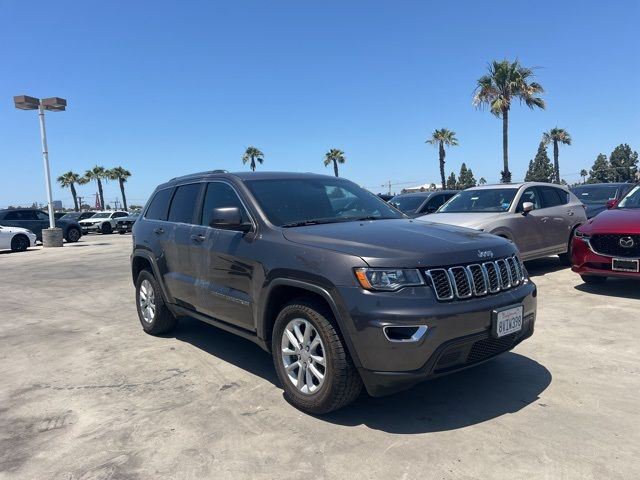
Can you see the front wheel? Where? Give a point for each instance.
(73, 235)
(312, 363)
(153, 313)
(19, 243)
(106, 228)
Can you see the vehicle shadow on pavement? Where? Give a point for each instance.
(501, 386)
(543, 266)
(228, 347)
(613, 287)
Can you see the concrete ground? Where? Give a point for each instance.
(87, 395)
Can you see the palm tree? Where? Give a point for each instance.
(334, 156)
(441, 138)
(120, 174)
(252, 154)
(482, 181)
(583, 174)
(97, 174)
(68, 180)
(557, 136)
(505, 82)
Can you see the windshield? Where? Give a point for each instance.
(407, 203)
(304, 201)
(595, 195)
(70, 216)
(632, 200)
(102, 215)
(485, 200)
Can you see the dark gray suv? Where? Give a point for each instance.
(343, 289)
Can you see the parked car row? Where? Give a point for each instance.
(22, 227)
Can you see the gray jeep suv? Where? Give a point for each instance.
(341, 288)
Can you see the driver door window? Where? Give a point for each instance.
(530, 195)
(221, 195)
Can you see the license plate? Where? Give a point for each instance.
(625, 265)
(507, 321)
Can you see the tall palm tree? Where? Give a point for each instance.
(441, 138)
(253, 155)
(507, 81)
(583, 174)
(120, 174)
(334, 156)
(68, 180)
(97, 174)
(557, 136)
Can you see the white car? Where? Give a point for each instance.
(103, 222)
(16, 239)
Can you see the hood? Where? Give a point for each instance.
(16, 230)
(403, 242)
(91, 220)
(616, 220)
(470, 220)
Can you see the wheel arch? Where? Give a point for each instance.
(142, 260)
(282, 291)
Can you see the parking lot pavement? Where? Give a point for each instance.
(87, 395)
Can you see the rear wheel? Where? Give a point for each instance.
(313, 365)
(19, 243)
(106, 228)
(153, 313)
(593, 279)
(565, 258)
(73, 235)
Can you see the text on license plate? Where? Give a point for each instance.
(508, 321)
(625, 265)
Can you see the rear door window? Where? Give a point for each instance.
(553, 197)
(159, 205)
(183, 205)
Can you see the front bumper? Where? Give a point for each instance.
(458, 333)
(89, 228)
(585, 261)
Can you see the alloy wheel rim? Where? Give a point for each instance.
(303, 356)
(21, 244)
(74, 235)
(147, 301)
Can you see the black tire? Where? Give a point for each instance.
(593, 279)
(122, 232)
(73, 235)
(106, 228)
(342, 383)
(565, 258)
(19, 243)
(163, 320)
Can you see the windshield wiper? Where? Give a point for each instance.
(316, 221)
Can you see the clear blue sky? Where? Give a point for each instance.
(167, 88)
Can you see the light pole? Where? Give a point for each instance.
(52, 237)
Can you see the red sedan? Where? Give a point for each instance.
(608, 245)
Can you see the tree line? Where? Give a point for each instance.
(96, 174)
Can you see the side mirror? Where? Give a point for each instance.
(527, 207)
(228, 218)
(611, 204)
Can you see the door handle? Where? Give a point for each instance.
(158, 231)
(197, 238)
(570, 213)
(544, 219)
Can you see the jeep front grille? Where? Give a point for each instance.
(476, 280)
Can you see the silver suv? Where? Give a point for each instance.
(539, 218)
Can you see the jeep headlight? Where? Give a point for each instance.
(388, 279)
